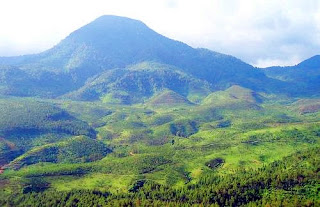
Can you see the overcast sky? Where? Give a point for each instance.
(260, 32)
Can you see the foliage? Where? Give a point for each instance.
(291, 181)
(74, 150)
(21, 117)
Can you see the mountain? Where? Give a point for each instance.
(304, 77)
(112, 42)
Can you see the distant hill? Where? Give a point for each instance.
(233, 94)
(168, 98)
(304, 77)
(235, 97)
(305, 106)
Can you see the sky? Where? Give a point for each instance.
(260, 32)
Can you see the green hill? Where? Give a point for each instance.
(27, 117)
(74, 150)
(27, 123)
(140, 82)
(168, 98)
(234, 94)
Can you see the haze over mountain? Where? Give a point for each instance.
(105, 49)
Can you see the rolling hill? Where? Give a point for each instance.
(25, 124)
(168, 98)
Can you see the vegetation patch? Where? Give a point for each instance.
(75, 150)
(215, 163)
(168, 98)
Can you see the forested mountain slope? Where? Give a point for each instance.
(112, 42)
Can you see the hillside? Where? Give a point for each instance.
(25, 124)
(140, 82)
(234, 96)
(15, 81)
(74, 150)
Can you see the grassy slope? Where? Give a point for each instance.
(145, 146)
(27, 123)
(139, 82)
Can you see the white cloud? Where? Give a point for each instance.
(261, 32)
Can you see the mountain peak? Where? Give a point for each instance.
(114, 18)
(111, 21)
(108, 28)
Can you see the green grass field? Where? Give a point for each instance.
(170, 146)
